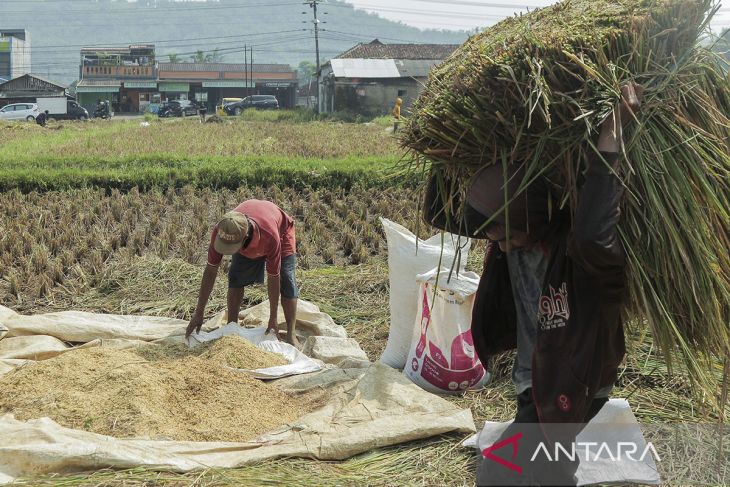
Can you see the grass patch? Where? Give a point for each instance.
(184, 152)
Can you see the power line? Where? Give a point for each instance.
(482, 4)
(224, 51)
(63, 48)
(431, 13)
(136, 9)
(313, 5)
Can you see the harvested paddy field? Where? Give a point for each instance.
(140, 249)
(158, 273)
(120, 394)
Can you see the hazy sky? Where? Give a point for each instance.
(468, 14)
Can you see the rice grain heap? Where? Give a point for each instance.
(231, 351)
(534, 90)
(120, 394)
(235, 352)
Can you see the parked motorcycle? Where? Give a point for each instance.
(102, 110)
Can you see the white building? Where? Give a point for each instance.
(14, 53)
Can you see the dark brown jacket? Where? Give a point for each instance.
(580, 341)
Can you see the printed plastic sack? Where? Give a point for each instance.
(442, 358)
(407, 258)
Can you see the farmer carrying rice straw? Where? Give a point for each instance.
(569, 338)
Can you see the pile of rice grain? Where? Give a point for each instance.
(119, 393)
(231, 351)
(238, 353)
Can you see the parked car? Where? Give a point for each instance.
(178, 108)
(259, 102)
(219, 109)
(19, 111)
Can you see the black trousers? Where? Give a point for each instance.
(537, 472)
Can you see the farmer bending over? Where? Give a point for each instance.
(42, 118)
(259, 236)
(554, 288)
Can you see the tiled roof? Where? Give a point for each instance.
(378, 50)
(225, 67)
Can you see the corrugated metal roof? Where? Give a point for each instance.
(30, 82)
(382, 68)
(364, 68)
(415, 68)
(100, 82)
(116, 49)
(225, 67)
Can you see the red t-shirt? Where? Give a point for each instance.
(273, 235)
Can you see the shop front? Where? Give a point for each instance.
(137, 96)
(88, 92)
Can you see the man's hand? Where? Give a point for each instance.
(196, 323)
(273, 328)
(631, 95)
(611, 137)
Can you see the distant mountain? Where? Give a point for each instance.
(279, 30)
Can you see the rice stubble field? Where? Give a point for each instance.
(101, 247)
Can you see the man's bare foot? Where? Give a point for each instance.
(292, 340)
(274, 332)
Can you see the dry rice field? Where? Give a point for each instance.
(142, 251)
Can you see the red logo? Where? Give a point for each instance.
(564, 403)
(414, 365)
(512, 440)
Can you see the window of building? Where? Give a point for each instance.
(5, 63)
(402, 93)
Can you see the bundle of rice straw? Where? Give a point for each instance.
(534, 89)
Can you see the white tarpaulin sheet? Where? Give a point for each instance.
(367, 409)
(310, 320)
(602, 469)
(342, 352)
(82, 327)
(298, 362)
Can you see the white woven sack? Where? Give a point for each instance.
(442, 357)
(408, 256)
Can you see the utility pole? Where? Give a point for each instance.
(253, 82)
(245, 63)
(313, 5)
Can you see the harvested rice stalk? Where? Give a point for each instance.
(534, 89)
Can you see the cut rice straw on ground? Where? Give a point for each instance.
(653, 396)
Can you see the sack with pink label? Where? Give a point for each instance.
(442, 358)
